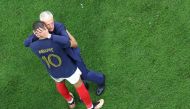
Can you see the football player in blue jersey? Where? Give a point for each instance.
(57, 28)
(51, 50)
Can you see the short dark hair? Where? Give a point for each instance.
(38, 24)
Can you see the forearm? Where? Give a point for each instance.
(61, 40)
(72, 40)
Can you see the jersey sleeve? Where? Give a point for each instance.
(64, 42)
(29, 40)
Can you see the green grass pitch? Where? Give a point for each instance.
(142, 46)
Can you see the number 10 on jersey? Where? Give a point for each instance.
(49, 62)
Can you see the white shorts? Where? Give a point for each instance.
(73, 79)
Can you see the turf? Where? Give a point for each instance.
(142, 46)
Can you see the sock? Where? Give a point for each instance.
(62, 89)
(91, 107)
(70, 101)
(84, 95)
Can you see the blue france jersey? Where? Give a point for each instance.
(52, 55)
(59, 29)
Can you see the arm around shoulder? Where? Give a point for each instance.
(72, 40)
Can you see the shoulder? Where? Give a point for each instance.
(40, 44)
(58, 24)
(59, 28)
(30, 35)
(34, 44)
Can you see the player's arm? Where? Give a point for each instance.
(43, 33)
(63, 41)
(29, 40)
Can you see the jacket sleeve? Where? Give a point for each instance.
(63, 41)
(29, 40)
(62, 30)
